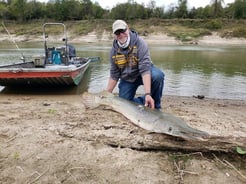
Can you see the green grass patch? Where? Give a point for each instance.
(51, 111)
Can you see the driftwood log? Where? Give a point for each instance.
(153, 141)
(128, 136)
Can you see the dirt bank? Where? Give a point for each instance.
(156, 38)
(54, 139)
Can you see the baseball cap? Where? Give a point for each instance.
(119, 24)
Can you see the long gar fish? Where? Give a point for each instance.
(144, 117)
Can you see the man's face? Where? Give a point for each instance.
(121, 35)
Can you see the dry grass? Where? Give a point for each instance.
(180, 28)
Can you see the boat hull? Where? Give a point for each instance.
(53, 75)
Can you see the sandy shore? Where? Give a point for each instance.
(54, 139)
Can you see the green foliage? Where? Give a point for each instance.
(64, 10)
(184, 38)
(239, 9)
(35, 10)
(189, 34)
(16, 156)
(188, 29)
(217, 8)
(214, 24)
(241, 151)
(129, 11)
(182, 11)
(51, 111)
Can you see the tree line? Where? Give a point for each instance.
(65, 10)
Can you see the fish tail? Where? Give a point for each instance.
(90, 101)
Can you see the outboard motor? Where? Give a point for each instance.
(71, 51)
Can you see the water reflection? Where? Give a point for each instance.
(227, 61)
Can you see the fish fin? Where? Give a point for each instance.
(90, 101)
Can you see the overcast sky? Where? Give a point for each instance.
(191, 3)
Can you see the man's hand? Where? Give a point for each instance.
(149, 102)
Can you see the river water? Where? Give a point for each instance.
(212, 71)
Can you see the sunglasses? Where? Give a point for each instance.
(119, 31)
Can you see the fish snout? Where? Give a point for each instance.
(194, 136)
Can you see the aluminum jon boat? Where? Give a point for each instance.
(59, 66)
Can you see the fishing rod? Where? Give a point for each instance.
(22, 56)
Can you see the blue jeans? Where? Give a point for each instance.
(128, 90)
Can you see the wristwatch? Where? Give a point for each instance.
(147, 94)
